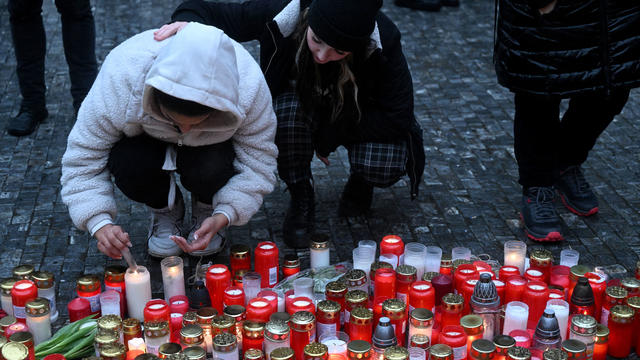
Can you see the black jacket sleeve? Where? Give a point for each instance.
(241, 21)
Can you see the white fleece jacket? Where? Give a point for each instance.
(201, 64)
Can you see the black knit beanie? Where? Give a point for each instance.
(344, 24)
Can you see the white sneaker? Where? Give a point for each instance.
(199, 212)
(165, 223)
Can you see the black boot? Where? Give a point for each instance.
(356, 197)
(299, 221)
(26, 121)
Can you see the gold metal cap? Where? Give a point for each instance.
(302, 321)
(235, 311)
(7, 321)
(224, 342)
(616, 292)
(110, 322)
(518, 353)
(555, 354)
(114, 350)
(7, 284)
(396, 353)
(329, 306)
(421, 315)
(356, 296)
(315, 350)
(191, 332)
(131, 326)
(23, 271)
(104, 337)
(114, 273)
(253, 354)
(361, 315)
(145, 356)
(169, 348)
(190, 317)
(21, 337)
(393, 308)
(194, 353)
(222, 322)
(574, 346)
(319, 241)
(15, 351)
(541, 255)
(282, 353)
(472, 324)
(377, 265)
(88, 283)
(359, 346)
(483, 346)
(205, 314)
(583, 324)
(420, 340)
(441, 351)
(37, 307)
(406, 270)
(336, 288)
(504, 341)
(428, 276)
(579, 270)
(277, 330)
(43, 279)
(622, 313)
(239, 251)
(253, 329)
(355, 277)
(156, 329)
(280, 316)
(602, 331)
(453, 302)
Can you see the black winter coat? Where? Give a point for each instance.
(580, 46)
(387, 108)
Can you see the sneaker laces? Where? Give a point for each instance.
(578, 179)
(155, 223)
(544, 208)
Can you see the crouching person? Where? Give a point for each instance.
(197, 105)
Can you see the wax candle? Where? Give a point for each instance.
(78, 308)
(110, 303)
(415, 255)
(385, 283)
(433, 259)
(218, 279)
(225, 347)
(291, 265)
(204, 316)
(266, 263)
(598, 286)
(39, 319)
(172, 268)
(132, 330)
(522, 337)
(6, 285)
(615, 295)
(240, 258)
(396, 311)
(514, 288)
(303, 286)
(251, 285)
(634, 303)
(442, 285)
(179, 304)
(359, 350)
(114, 280)
(451, 309)
(583, 328)
(533, 274)
(569, 257)
(272, 297)
(460, 253)
(420, 322)
(405, 276)
(454, 336)
(336, 291)
(356, 279)
(422, 295)
(389, 258)
(252, 335)
(500, 288)
(138, 285)
(301, 303)
(473, 329)
(516, 316)
(88, 287)
(446, 265)
(259, 309)
(46, 289)
(514, 254)
(620, 326)
(392, 244)
(440, 352)
(542, 260)
(25, 338)
(463, 273)
(503, 343)
(22, 292)
(362, 258)
(328, 317)
(601, 345)
(319, 251)
(361, 324)
(536, 295)
(276, 335)
(561, 309)
(302, 325)
(506, 271)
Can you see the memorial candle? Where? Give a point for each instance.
(601, 346)
(23, 291)
(218, 279)
(405, 276)
(442, 284)
(598, 286)
(6, 285)
(361, 324)
(620, 326)
(156, 310)
(433, 259)
(114, 280)
(259, 309)
(179, 304)
(46, 289)
(422, 295)
(138, 285)
(515, 317)
(514, 288)
(514, 254)
(328, 317)
(507, 271)
(615, 295)
(172, 268)
(319, 251)
(88, 287)
(561, 309)
(536, 295)
(392, 244)
(266, 263)
(396, 311)
(240, 258)
(39, 319)
(385, 283)
(542, 260)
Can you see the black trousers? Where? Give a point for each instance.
(29, 41)
(136, 164)
(544, 145)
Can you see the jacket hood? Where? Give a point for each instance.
(197, 64)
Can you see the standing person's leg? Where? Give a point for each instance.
(204, 170)
(136, 165)
(372, 164)
(536, 135)
(583, 122)
(29, 42)
(295, 152)
(79, 39)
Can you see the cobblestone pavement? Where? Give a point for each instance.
(469, 196)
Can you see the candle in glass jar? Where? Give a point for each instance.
(463, 273)
(514, 288)
(522, 337)
(385, 283)
(422, 295)
(598, 286)
(240, 258)
(396, 311)
(503, 343)
(218, 279)
(420, 322)
(615, 295)
(88, 287)
(6, 285)
(542, 260)
(536, 295)
(179, 304)
(46, 289)
(620, 326)
(156, 310)
(291, 265)
(78, 309)
(561, 309)
(301, 303)
(433, 259)
(361, 324)
(582, 301)
(393, 244)
(303, 332)
(405, 276)
(39, 319)
(442, 285)
(336, 291)
(514, 254)
(23, 291)
(172, 268)
(454, 336)
(507, 271)
(272, 297)
(583, 328)
(515, 317)
(138, 285)
(328, 317)
(266, 263)
(233, 295)
(451, 309)
(110, 303)
(251, 285)
(259, 309)
(319, 251)
(601, 345)
(114, 280)
(533, 274)
(473, 329)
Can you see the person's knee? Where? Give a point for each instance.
(74, 9)
(135, 155)
(20, 10)
(206, 170)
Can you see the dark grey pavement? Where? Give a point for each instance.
(469, 195)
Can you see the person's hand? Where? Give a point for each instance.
(210, 226)
(323, 159)
(111, 239)
(549, 8)
(168, 30)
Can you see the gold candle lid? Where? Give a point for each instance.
(356, 296)
(396, 353)
(239, 251)
(253, 329)
(195, 353)
(23, 271)
(114, 273)
(483, 346)
(631, 284)
(406, 271)
(583, 324)
(428, 276)
(177, 356)
(235, 311)
(329, 307)
(359, 346)
(253, 354)
(602, 331)
(319, 241)
(113, 350)
(191, 334)
(156, 329)
(169, 348)
(616, 292)
(377, 265)
(131, 326)
(104, 337)
(445, 261)
(393, 308)
(110, 322)
(145, 356)
(336, 288)
(222, 322)
(541, 255)
(205, 314)
(441, 351)
(315, 350)
(355, 277)
(503, 342)
(7, 321)
(634, 302)
(472, 325)
(22, 337)
(37, 307)
(419, 340)
(6, 285)
(453, 302)
(555, 354)
(224, 342)
(622, 313)
(518, 353)
(189, 317)
(15, 351)
(277, 330)
(361, 315)
(88, 283)
(579, 270)
(302, 321)
(280, 316)
(291, 261)
(282, 353)
(420, 316)
(574, 346)
(43, 279)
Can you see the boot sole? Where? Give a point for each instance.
(553, 236)
(573, 209)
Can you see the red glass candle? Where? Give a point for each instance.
(88, 287)
(601, 346)
(22, 292)
(500, 288)
(291, 265)
(615, 295)
(377, 309)
(446, 265)
(252, 335)
(467, 291)
(634, 303)
(385, 283)
(272, 297)
(542, 260)
(533, 274)
(240, 258)
(536, 295)
(114, 280)
(218, 279)
(259, 309)
(405, 276)
(179, 304)
(463, 273)
(452, 305)
(301, 303)
(422, 295)
(442, 284)
(361, 324)
(336, 291)
(266, 263)
(392, 244)
(289, 295)
(556, 294)
(78, 308)
(514, 288)
(233, 295)
(156, 310)
(620, 326)
(522, 337)
(396, 311)
(15, 328)
(507, 271)
(454, 336)
(328, 317)
(175, 325)
(303, 332)
(576, 272)
(598, 286)
(560, 277)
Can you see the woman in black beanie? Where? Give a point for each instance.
(337, 76)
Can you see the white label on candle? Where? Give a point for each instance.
(19, 312)
(217, 270)
(604, 318)
(94, 301)
(114, 288)
(325, 329)
(52, 302)
(460, 353)
(273, 275)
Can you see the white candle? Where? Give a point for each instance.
(303, 287)
(460, 252)
(432, 260)
(415, 255)
(561, 309)
(515, 253)
(251, 286)
(569, 257)
(138, 288)
(515, 317)
(137, 344)
(319, 251)
(39, 327)
(110, 303)
(388, 258)
(172, 276)
(7, 304)
(362, 258)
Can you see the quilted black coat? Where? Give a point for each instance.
(581, 46)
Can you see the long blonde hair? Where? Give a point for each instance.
(316, 83)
